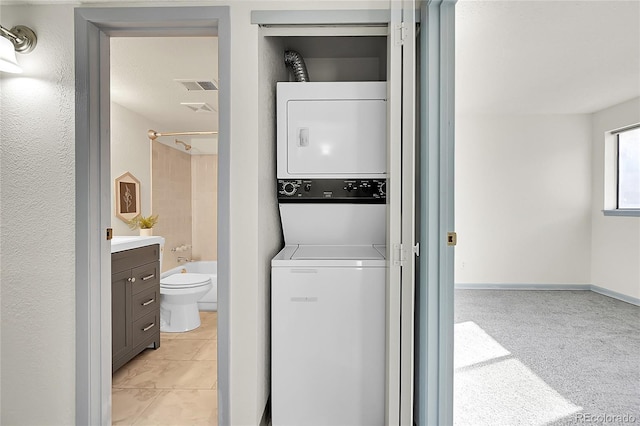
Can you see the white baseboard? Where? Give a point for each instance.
(615, 295)
(584, 287)
(485, 286)
(208, 306)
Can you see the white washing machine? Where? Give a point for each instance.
(328, 335)
(328, 283)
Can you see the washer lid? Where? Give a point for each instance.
(329, 224)
(185, 280)
(337, 253)
(308, 256)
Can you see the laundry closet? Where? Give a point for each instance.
(328, 283)
(353, 338)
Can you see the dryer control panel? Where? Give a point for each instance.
(366, 191)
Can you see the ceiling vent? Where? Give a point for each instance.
(198, 106)
(198, 85)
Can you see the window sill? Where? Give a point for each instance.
(623, 212)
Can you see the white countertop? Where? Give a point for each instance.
(130, 242)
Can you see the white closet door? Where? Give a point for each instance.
(401, 212)
(394, 209)
(408, 276)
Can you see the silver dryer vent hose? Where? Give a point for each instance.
(293, 60)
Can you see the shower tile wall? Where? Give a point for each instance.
(204, 194)
(171, 200)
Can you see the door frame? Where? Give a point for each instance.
(93, 28)
(435, 288)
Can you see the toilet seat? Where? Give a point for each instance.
(186, 280)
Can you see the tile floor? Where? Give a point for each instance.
(173, 385)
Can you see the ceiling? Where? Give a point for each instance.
(546, 57)
(512, 57)
(144, 71)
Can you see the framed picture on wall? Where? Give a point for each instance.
(127, 195)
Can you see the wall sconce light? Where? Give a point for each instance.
(19, 39)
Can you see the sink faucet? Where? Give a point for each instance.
(183, 259)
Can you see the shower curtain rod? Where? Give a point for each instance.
(153, 135)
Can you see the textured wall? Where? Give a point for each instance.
(522, 199)
(37, 223)
(130, 152)
(171, 195)
(204, 204)
(615, 255)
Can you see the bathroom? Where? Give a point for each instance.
(177, 177)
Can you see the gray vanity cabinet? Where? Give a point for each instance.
(135, 302)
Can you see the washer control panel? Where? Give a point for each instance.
(372, 191)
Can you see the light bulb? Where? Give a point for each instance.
(8, 61)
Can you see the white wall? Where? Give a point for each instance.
(522, 199)
(37, 224)
(615, 253)
(37, 233)
(270, 240)
(130, 152)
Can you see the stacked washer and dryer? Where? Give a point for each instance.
(328, 282)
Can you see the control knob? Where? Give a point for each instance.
(382, 187)
(289, 188)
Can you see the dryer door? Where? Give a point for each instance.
(336, 137)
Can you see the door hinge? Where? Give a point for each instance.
(401, 254)
(398, 255)
(402, 33)
(109, 234)
(452, 238)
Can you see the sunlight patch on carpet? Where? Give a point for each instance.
(493, 388)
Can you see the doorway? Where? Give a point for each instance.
(94, 28)
(178, 186)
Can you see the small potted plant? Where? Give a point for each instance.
(144, 223)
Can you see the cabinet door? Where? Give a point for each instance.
(121, 337)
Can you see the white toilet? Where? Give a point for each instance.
(179, 295)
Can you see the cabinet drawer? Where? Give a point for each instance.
(128, 259)
(145, 328)
(145, 302)
(147, 276)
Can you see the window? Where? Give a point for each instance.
(628, 196)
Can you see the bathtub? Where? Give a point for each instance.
(209, 301)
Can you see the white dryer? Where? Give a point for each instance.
(331, 130)
(328, 283)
